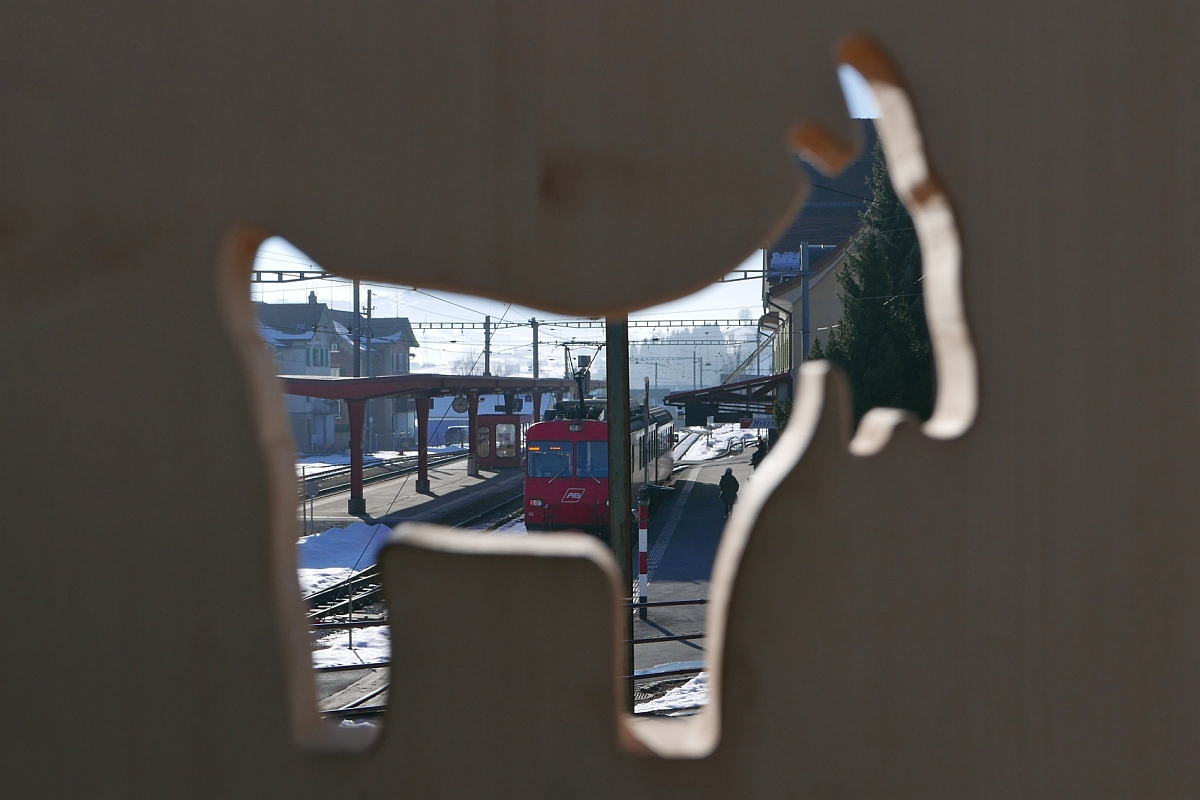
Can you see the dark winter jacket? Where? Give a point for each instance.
(758, 456)
(729, 488)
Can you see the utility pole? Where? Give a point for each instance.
(370, 336)
(620, 500)
(487, 345)
(533, 323)
(804, 273)
(357, 334)
(646, 441)
(370, 374)
(694, 386)
(758, 350)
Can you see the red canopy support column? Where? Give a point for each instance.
(356, 504)
(537, 406)
(472, 435)
(422, 444)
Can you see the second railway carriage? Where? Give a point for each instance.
(566, 468)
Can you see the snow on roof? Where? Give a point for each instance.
(398, 336)
(277, 338)
(290, 317)
(383, 329)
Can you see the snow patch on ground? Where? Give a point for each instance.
(354, 646)
(515, 527)
(723, 442)
(334, 555)
(314, 580)
(692, 694)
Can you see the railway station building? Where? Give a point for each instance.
(812, 251)
(311, 339)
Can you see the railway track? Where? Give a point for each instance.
(371, 697)
(365, 589)
(338, 480)
(363, 593)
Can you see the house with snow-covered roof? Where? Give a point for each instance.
(312, 339)
(303, 341)
(385, 349)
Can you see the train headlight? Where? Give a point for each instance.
(536, 503)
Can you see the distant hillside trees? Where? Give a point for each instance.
(882, 342)
(467, 364)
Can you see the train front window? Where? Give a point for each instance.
(548, 459)
(593, 460)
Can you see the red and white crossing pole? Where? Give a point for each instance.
(643, 555)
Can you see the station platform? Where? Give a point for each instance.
(683, 540)
(451, 490)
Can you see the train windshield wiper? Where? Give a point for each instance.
(590, 475)
(560, 472)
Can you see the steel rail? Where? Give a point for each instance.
(368, 696)
(684, 638)
(401, 464)
(667, 674)
(341, 626)
(352, 667)
(660, 603)
(361, 711)
(339, 472)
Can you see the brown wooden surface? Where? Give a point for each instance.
(1007, 606)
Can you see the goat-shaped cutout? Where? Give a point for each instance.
(1011, 612)
(506, 651)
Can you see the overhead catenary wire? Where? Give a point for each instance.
(432, 344)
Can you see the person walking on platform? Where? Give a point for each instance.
(729, 489)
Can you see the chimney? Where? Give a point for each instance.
(312, 297)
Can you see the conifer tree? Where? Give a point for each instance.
(882, 342)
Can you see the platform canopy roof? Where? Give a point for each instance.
(755, 394)
(342, 388)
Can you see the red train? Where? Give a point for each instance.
(566, 468)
